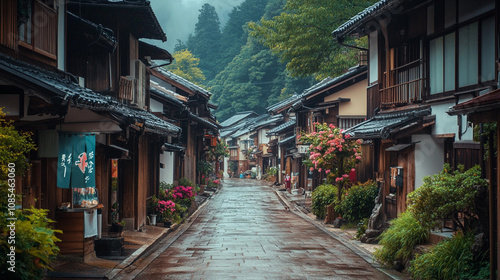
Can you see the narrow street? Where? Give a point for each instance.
(246, 233)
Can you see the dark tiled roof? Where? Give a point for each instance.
(267, 120)
(237, 118)
(170, 98)
(362, 17)
(202, 121)
(287, 140)
(296, 101)
(275, 108)
(101, 34)
(329, 82)
(139, 14)
(153, 51)
(383, 125)
(485, 102)
(180, 80)
(288, 126)
(60, 89)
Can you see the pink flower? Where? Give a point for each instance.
(327, 171)
(319, 170)
(311, 169)
(339, 179)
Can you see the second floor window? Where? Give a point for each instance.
(37, 21)
(471, 49)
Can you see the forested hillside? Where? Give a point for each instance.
(250, 67)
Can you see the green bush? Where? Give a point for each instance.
(35, 241)
(361, 228)
(400, 239)
(323, 196)
(446, 194)
(449, 259)
(358, 202)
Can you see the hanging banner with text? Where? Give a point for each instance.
(76, 164)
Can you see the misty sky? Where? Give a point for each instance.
(178, 17)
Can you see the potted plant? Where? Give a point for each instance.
(117, 225)
(205, 168)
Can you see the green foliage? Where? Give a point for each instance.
(186, 65)
(358, 202)
(400, 239)
(185, 182)
(205, 168)
(205, 42)
(332, 154)
(446, 194)
(35, 240)
(449, 259)
(218, 152)
(361, 228)
(273, 170)
(488, 129)
(301, 36)
(14, 146)
(323, 196)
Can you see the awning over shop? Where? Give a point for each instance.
(172, 148)
(60, 90)
(286, 140)
(399, 147)
(386, 124)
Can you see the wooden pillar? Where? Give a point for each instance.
(494, 250)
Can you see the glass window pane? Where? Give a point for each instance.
(449, 62)
(436, 65)
(468, 55)
(488, 50)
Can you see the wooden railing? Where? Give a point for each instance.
(406, 85)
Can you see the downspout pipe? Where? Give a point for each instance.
(340, 40)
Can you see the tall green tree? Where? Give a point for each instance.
(301, 36)
(186, 65)
(235, 32)
(253, 80)
(205, 43)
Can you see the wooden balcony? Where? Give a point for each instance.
(406, 85)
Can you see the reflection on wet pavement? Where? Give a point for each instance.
(245, 233)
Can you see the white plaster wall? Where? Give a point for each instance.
(226, 167)
(446, 124)
(373, 57)
(429, 156)
(167, 172)
(156, 106)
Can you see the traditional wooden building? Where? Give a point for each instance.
(198, 124)
(236, 147)
(80, 87)
(482, 110)
(423, 58)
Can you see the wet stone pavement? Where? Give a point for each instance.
(246, 233)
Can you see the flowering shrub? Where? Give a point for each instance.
(165, 206)
(332, 153)
(182, 192)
